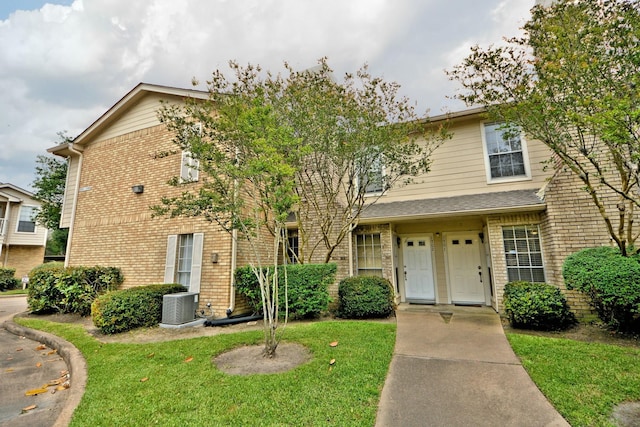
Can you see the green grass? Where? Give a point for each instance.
(14, 292)
(197, 393)
(584, 381)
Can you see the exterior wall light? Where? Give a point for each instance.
(138, 189)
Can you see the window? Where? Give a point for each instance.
(185, 257)
(371, 174)
(523, 253)
(292, 249)
(183, 262)
(26, 221)
(505, 152)
(189, 170)
(369, 254)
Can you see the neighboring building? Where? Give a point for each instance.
(487, 213)
(22, 240)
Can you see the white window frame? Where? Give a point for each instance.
(190, 167)
(368, 243)
(34, 210)
(171, 260)
(487, 163)
(518, 253)
(376, 192)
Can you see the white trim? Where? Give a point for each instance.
(196, 262)
(170, 259)
(403, 240)
(473, 234)
(487, 166)
(35, 224)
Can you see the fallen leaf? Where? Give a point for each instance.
(52, 352)
(35, 391)
(188, 359)
(38, 365)
(332, 362)
(150, 355)
(144, 380)
(334, 344)
(63, 373)
(41, 347)
(18, 349)
(9, 370)
(29, 408)
(9, 358)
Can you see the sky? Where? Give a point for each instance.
(64, 63)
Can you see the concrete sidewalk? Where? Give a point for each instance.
(453, 366)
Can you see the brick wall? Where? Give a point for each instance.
(22, 258)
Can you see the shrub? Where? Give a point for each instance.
(365, 297)
(610, 281)
(536, 306)
(53, 288)
(7, 279)
(121, 311)
(308, 288)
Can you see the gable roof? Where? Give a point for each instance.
(474, 204)
(14, 189)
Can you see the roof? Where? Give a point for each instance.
(120, 107)
(15, 188)
(474, 204)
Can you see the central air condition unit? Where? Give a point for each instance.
(179, 308)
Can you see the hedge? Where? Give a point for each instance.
(536, 306)
(121, 311)
(308, 288)
(365, 297)
(54, 288)
(7, 279)
(610, 281)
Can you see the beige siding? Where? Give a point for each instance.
(13, 237)
(69, 191)
(141, 115)
(458, 168)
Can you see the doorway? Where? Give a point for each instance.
(419, 284)
(464, 268)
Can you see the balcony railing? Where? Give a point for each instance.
(3, 226)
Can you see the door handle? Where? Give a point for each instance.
(480, 274)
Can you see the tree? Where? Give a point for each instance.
(572, 82)
(51, 176)
(245, 155)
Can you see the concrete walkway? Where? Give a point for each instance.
(453, 366)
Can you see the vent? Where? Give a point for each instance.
(179, 308)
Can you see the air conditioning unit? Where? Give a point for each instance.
(179, 308)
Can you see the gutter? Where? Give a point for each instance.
(234, 262)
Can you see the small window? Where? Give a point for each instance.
(455, 242)
(468, 242)
(505, 152)
(26, 220)
(292, 249)
(371, 173)
(422, 243)
(523, 253)
(369, 254)
(189, 169)
(410, 243)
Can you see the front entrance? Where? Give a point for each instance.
(419, 284)
(464, 268)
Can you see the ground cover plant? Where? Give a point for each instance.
(582, 380)
(174, 383)
(536, 306)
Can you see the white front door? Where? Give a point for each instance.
(465, 268)
(418, 269)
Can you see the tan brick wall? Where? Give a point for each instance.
(114, 226)
(22, 258)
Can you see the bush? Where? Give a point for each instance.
(308, 288)
(53, 288)
(536, 306)
(121, 311)
(365, 297)
(610, 281)
(7, 279)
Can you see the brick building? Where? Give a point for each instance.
(486, 214)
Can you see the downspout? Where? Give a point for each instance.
(351, 251)
(234, 261)
(75, 203)
(3, 231)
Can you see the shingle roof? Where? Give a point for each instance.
(524, 200)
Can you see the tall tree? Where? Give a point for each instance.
(49, 184)
(245, 155)
(572, 81)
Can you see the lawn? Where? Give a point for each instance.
(182, 387)
(583, 381)
(14, 292)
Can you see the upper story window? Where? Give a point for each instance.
(505, 153)
(189, 170)
(371, 175)
(26, 220)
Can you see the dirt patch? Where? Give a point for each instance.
(249, 360)
(586, 332)
(627, 414)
